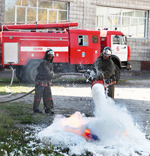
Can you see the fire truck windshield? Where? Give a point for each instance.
(119, 39)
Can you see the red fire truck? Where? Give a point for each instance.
(75, 50)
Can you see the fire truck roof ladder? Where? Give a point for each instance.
(38, 26)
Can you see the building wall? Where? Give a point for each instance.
(84, 11)
(2, 10)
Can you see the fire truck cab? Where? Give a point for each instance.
(75, 50)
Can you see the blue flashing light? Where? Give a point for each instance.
(105, 28)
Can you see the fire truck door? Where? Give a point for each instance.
(119, 47)
(88, 48)
(84, 46)
(78, 47)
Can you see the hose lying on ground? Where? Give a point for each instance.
(18, 97)
(12, 78)
(31, 90)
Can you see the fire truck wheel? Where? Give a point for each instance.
(20, 73)
(117, 73)
(31, 71)
(111, 91)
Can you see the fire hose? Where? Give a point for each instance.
(12, 78)
(63, 74)
(18, 97)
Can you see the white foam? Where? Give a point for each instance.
(112, 124)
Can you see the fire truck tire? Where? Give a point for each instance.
(20, 71)
(111, 91)
(31, 71)
(117, 73)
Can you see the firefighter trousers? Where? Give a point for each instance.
(111, 91)
(45, 92)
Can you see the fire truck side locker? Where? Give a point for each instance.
(11, 52)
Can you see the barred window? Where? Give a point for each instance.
(31, 11)
(131, 22)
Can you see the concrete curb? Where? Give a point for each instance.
(135, 73)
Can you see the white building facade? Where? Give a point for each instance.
(130, 16)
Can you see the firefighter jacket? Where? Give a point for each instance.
(45, 73)
(107, 68)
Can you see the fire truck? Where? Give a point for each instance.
(75, 50)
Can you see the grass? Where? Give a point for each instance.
(16, 120)
(16, 87)
(16, 132)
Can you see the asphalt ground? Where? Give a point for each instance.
(138, 75)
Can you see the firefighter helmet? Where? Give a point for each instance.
(107, 52)
(49, 52)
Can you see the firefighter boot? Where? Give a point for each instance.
(37, 111)
(48, 111)
(36, 107)
(49, 106)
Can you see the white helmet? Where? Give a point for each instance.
(107, 52)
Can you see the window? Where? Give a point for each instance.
(31, 14)
(60, 5)
(42, 15)
(20, 15)
(83, 40)
(62, 15)
(10, 14)
(117, 39)
(45, 4)
(131, 22)
(13, 2)
(31, 11)
(95, 39)
(52, 15)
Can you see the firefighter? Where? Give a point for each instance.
(43, 82)
(105, 69)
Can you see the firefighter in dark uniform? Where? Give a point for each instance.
(105, 69)
(43, 82)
